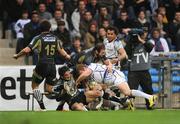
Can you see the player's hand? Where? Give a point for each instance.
(15, 56)
(109, 68)
(114, 61)
(68, 57)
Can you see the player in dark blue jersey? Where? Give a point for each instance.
(65, 87)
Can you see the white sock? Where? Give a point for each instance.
(84, 108)
(140, 94)
(37, 95)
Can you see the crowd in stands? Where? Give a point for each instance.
(81, 24)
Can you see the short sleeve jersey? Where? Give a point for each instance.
(100, 74)
(46, 45)
(112, 48)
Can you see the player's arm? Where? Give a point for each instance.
(122, 54)
(33, 44)
(23, 52)
(63, 52)
(87, 72)
(95, 92)
(108, 63)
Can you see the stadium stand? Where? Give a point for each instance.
(6, 57)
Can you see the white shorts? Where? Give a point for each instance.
(115, 78)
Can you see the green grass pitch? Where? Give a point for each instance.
(92, 117)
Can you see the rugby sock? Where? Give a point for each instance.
(38, 96)
(84, 108)
(119, 100)
(140, 94)
(114, 98)
(60, 106)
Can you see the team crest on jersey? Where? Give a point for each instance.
(49, 39)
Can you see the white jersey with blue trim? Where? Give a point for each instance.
(100, 74)
(112, 48)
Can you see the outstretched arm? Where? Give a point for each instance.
(87, 72)
(122, 54)
(23, 52)
(64, 54)
(109, 65)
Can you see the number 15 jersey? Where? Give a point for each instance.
(47, 46)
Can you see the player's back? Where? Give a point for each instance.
(46, 44)
(98, 71)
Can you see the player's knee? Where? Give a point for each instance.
(127, 92)
(34, 85)
(49, 88)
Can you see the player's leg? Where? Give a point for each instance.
(50, 76)
(38, 77)
(124, 88)
(38, 95)
(110, 95)
(60, 106)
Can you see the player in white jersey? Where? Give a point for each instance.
(99, 73)
(113, 46)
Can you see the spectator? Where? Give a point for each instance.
(31, 29)
(162, 10)
(33, 5)
(13, 11)
(19, 27)
(119, 5)
(75, 47)
(60, 6)
(123, 22)
(101, 35)
(108, 3)
(92, 6)
(90, 38)
(63, 34)
(153, 6)
(43, 13)
(77, 15)
(163, 28)
(158, 23)
(172, 6)
(85, 23)
(160, 44)
(174, 30)
(50, 5)
(103, 14)
(141, 4)
(142, 22)
(106, 23)
(69, 7)
(57, 17)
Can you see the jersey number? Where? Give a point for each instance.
(50, 49)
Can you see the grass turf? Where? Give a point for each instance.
(92, 117)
